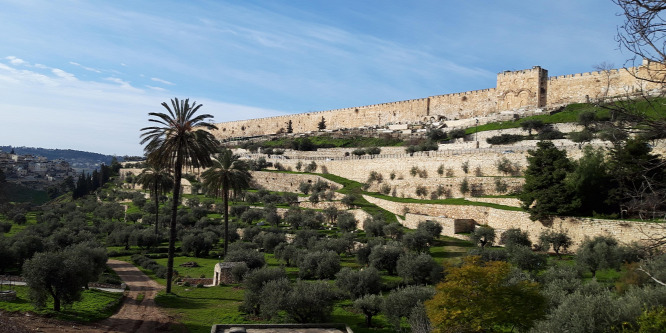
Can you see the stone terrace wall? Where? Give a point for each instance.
(501, 220)
(285, 182)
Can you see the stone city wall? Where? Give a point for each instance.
(524, 89)
(577, 228)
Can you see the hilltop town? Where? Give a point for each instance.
(35, 172)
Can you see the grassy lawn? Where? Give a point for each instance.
(449, 250)
(199, 308)
(449, 201)
(31, 219)
(95, 305)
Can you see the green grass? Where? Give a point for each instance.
(449, 250)
(449, 201)
(568, 115)
(199, 308)
(206, 269)
(95, 305)
(325, 141)
(31, 219)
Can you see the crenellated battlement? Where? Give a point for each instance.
(521, 89)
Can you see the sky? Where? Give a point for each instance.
(85, 74)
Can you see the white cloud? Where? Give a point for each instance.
(156, 88)
(99, 116)
(62, 74)
(123, 84)
(16, 61)
(85, 67)
(162, 81)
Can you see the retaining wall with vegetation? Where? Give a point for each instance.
(501, 220)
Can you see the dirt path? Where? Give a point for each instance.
(133, 316)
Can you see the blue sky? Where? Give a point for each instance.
(84, 74)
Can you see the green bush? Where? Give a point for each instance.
(504, 139)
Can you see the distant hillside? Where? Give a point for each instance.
(79, 160)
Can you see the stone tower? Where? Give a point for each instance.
(522, 89)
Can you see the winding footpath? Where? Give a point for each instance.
(133, 316)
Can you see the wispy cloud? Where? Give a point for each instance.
(162, 81)
(15, 61)
(156, 88)
(85, 67)
(62, 74)
(106, 115)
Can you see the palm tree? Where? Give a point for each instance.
(179, 140)
(158, 180)
(226, 173)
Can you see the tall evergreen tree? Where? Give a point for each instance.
(545, 192)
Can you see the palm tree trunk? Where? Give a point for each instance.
(225, 189)
(157, 207)
(174, 214)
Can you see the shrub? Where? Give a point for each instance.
(312, 167)
(515, 237)
(464, 186)
(310, 302)
(239, 271)
(359, 152)
(251, 258)
(419, 269)
(358, 283)
(385, 189)
(370, 305)
(400, 302)
(346, 221)
(319, 265)
(431, 228)
(501, 186)
(385, 257)
(421, 191)
(457, 133)
(418, 241)
(550, 135)
(465, 167)
(375, 176)
(504, 139)
(374, 226)
(238, 210)
(252, 215)
(582, 136)
(504, 165)
(524, 258)
(393, 230)
(483, 235)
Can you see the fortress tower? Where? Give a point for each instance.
(522, 89)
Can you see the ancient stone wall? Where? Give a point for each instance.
(501, 220)
(523, 89)
(462, 105)
(285, 182)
